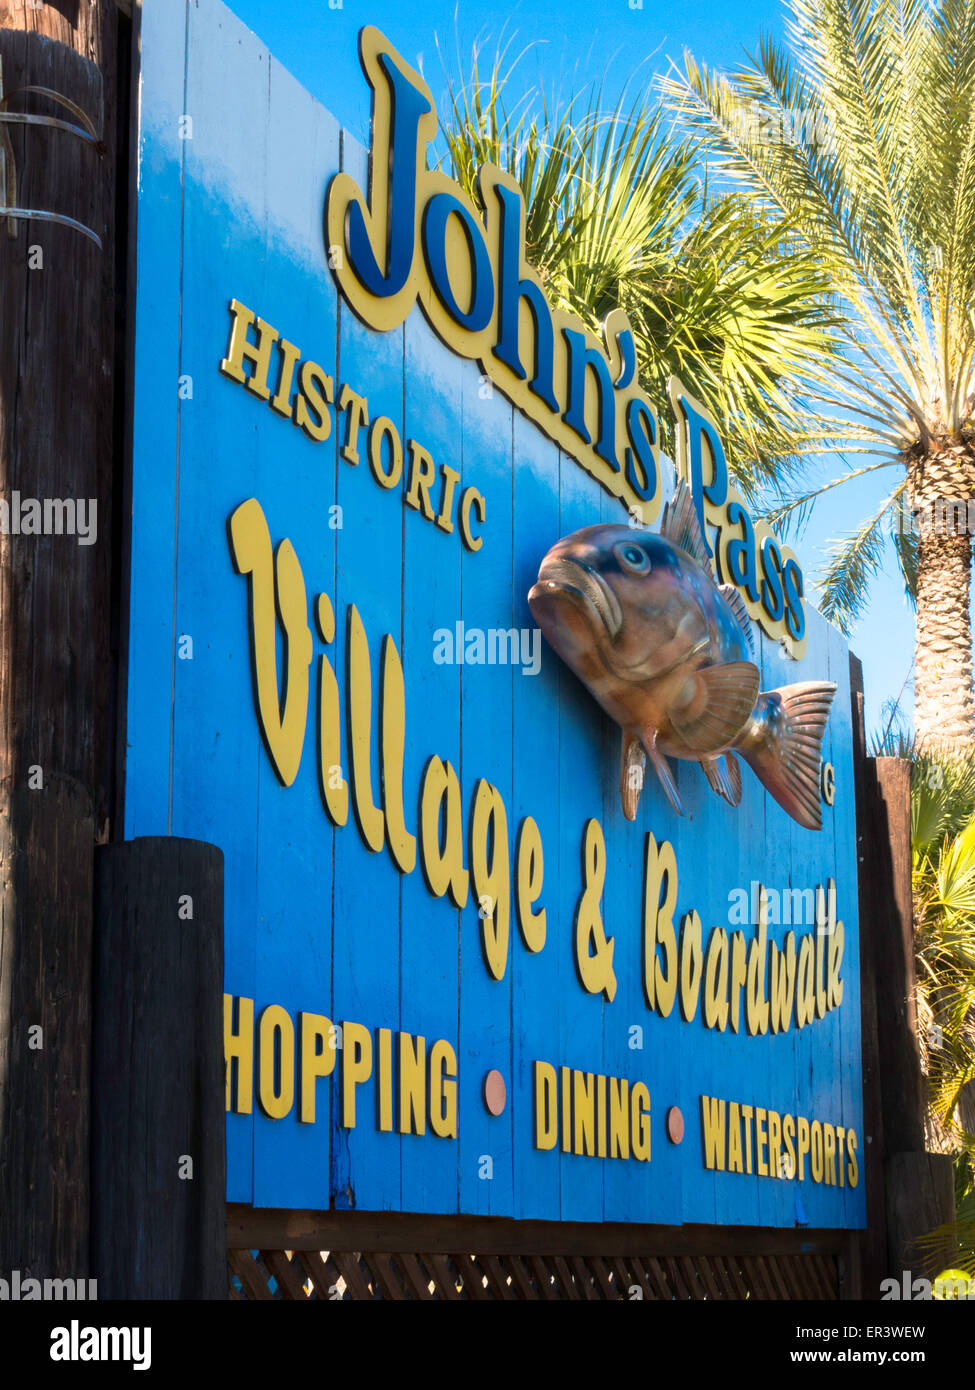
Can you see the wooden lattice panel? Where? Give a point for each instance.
(331, 1275)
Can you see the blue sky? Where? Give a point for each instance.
(570, 45)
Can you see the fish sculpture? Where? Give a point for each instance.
(667, 652)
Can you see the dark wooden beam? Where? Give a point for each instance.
(158, 1161)
(873, 1241)
(56, 424)
(267, 1228)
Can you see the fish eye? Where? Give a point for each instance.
(633, 558)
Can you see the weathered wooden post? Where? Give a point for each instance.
(56, 356)
(158, 1172)
(919, 1189)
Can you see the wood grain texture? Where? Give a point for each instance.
(157, 1072)
(55, 664)
(888, 861)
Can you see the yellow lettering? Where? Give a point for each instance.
(238, 1051)
(331, 783)
(356, 1067)
(356, 415)
(422, 475)
(380, 429)
(659, 901)
(492, 885)
(471, 498)
(691, 965)
(402, 845)
(529, 878)
(716, 981)
(281, 401)
(712, 1124)
(546, 1107)
(441, 832)
(640, 1120)
(316, 1059)
(258, 353)
(384, 1079)
(317, 392)
(369, 817)
(443, 1090)
(276, 1053)
(584, 1115)
(619, 1117)
(412, 1084)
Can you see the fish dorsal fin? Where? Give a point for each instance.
(719, 704)
(736, 603)
(682, 528)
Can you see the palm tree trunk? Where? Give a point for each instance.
(942, 490)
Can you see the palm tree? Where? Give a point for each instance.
(865, 140)
(616, 216)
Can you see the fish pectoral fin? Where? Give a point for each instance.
(724, 777)
(633, 764)
(719, 702)
(662, 768)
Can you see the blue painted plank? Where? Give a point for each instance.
(365, 966)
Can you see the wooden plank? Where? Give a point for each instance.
(692, 1278)
(486, 724)
(888, 782)
(55, 660)
(157, 1120)
(432, 929)
(243, 1264)
(773, 1274)
(521, 1278)
(312, 1264)
(541, 979)
(603, 1277)
(149, 637)
(827, 1264)
(920, 1198)
(287, 1274)
(207, 763)
(366, 1161)
(726, 1272)
(497, 1277)
(544, 1283)
(567, 1283)
(707, 1277)
(472, 1277)
(394, 1231)
(584, 1277)
(348, 1267)
(391, 1283)
(873, 1248)
(417, 1278)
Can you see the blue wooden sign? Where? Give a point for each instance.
(475, 961)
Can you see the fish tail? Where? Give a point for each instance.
(782, 744)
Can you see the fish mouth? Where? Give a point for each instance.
(578, 581)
